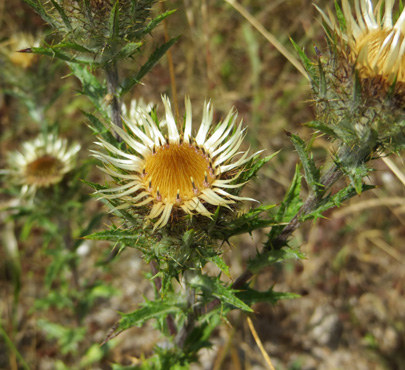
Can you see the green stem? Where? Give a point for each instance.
(13, 348)
(111, 72)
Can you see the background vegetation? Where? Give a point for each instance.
(351, 313)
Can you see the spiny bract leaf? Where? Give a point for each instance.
(213, 287)
(130, 82)
(289, 206)
(151, 310)
(251, 296)
(322, 127)
(128, 237)
(220, 263)
(271, 257)
(334, 201)
(254, 166)
(312, 173)
(100, 129)
(248, 222)
(91, 87)
(309, 66)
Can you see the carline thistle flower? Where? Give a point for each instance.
(177, 171)
(41, 163)
(376, 45)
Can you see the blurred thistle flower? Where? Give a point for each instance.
(179, 171)
(358, 84)
(15, 46)
(376, 44)
(41, 163)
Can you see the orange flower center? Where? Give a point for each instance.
(177, 172)
(44, 171)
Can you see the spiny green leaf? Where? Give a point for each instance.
(128, 50)
(321, 127)
(155, 22)
(100, 129)
(130, 82)
(117, 235)
(149, 310)
(91, 87)
(251, 296)
(220, 263)
(94, 185)
(254, 166)
(271, 257)
(312, 174)
(71, 46)
(248, 222)
(357, 176)
(290, 204)
(62, 14)
(114, 21)
(335, 200)
(309, 66)
(38, 7)
(213, 287)
(340, 16)
(51, 52)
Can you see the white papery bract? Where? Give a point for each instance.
(177, 170)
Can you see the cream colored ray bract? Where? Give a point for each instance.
(41, 163)
(177, 171)
(376, 43)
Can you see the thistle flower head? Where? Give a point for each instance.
(41, 163)
(177, 172)
(376, 43)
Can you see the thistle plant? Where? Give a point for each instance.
(176, 190)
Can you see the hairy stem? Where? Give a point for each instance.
(111, 72)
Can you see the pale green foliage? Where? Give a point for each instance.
(96, 33)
